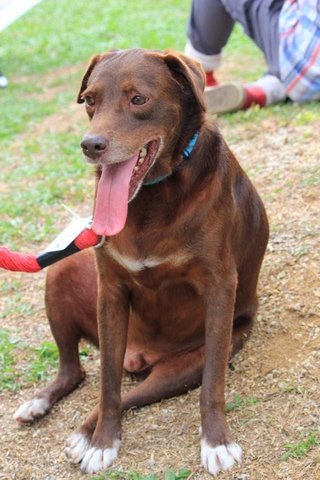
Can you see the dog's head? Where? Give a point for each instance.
(144, 107)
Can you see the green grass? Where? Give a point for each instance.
(21, 364)
(98, 26)
(83, 28)
(7, 376)
(291, 387)
(282, 115)
(238, 402)
(46, 360)
(310, 177)
(168, 475)
(302, 448)
(41, 181)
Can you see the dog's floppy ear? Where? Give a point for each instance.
(188, 73)
(94, 61)
(84, 83)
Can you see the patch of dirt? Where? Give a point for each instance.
(64, 121)
(52, 75)
(276, 375)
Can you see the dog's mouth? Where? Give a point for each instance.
(118, 184)
(146, 158)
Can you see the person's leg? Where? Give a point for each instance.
(209, 29)
(261, 22)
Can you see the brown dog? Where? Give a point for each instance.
(176, 278)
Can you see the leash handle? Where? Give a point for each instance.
(87, 238)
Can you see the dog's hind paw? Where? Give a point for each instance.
(31, 410)
(77, 446)
(97, 459)
(221, 457)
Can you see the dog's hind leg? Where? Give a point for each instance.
(71, 310)
(168, 378)
(172, 376)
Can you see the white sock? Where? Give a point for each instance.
(208, 62)
(273, 87)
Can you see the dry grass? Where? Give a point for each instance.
(276, 376)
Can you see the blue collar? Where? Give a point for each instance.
(189, 148)
(185, 155)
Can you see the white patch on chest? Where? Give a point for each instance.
(136, 265)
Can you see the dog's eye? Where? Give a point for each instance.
(139, 100)
(89, 100)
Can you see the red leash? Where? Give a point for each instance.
(70, 241)
(17, 262)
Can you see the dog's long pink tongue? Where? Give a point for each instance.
(112, 197)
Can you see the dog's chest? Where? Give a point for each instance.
(135, 262)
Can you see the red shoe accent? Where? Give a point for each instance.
(254, 96)
(210, 79)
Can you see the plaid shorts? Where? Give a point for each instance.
(299, 49)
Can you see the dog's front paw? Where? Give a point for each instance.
(220, 457)
(77, 446)
(97, 459)
(31, 410)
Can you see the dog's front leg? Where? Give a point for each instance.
(218, 451)
(113, 308)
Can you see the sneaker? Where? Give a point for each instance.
(232, 97)
(224, 98)
(3, 81)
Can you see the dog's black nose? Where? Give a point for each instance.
(94, 145)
